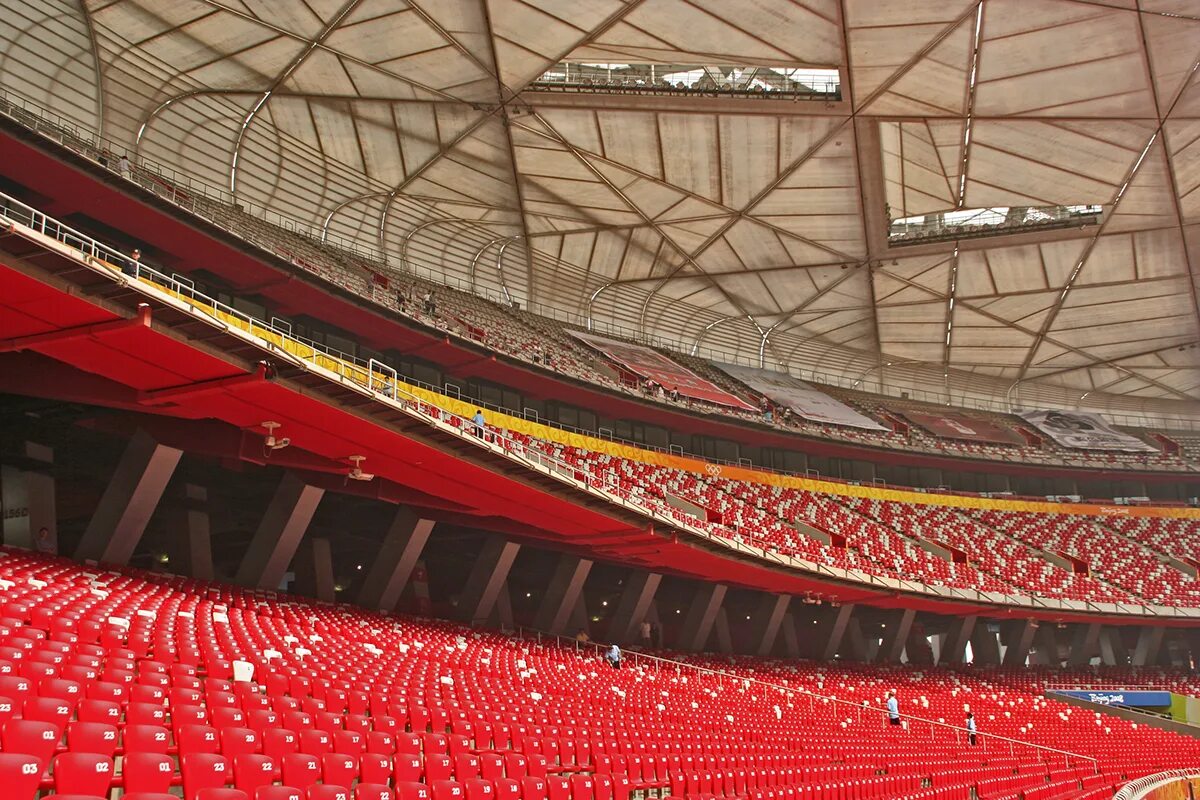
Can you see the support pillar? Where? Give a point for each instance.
(279, 534)
(1047, 646)
(1148, 644)
(640, 588)
(700, 616)
(487, 579)
(791, 643)
(1085, 640)
(562, 594)
(722, 633)
(27, 499)
(955, 649)
(129, 501)
(985, 646)
(854, 641)
(192, 554)
(896, 636)
(1017, 637)
(768, 618)
(393, 565)
(314, 569)
(1112, 647)
(837, 631)
(502, 612)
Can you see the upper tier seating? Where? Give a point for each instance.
(127, 679)
(1048, 555)
(543, 341)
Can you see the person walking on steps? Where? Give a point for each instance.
(893, 709)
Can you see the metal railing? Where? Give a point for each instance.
(381, 383)
(646, 661)
(1140, 788)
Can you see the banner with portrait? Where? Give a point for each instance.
(1083, 431)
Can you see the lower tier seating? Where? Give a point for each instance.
(149, 682)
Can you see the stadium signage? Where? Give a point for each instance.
(1139, 699)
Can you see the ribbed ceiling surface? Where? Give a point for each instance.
(722, 219)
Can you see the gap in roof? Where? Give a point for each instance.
(695, 79)
(970, 223)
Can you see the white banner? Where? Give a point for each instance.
(1083, 431)
(801, 398)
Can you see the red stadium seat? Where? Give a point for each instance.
(83, 773)
(147, 772)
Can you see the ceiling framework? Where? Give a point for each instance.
(743, 228)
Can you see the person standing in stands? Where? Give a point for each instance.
(130, 266)
(644, 628)
(893, 709)
(613, 657)
(480, 422)
(123, 167)
(430, 303)
(971, 728)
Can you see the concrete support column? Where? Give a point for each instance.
(955, 649)
(722, 633)
(1085, 641)
(859, 648)
(640, 588)
(837, 631)
(27, 499)
(1017, 637)
(502, 612)
(1047, 646)
(1149, 643)
(393, 565)
(314, 569)
(562, 594)
(279, 534)
(192, 554)
(791, 643)
(700, 616)
(486, 580)
(125, 508)
(768, 618)
(895, 636)
(1112, 647)
(985, 645)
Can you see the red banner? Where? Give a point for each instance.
(662, 370)
(959, 426)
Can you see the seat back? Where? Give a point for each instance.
(83, 773)
(20, 775)
(147, 772)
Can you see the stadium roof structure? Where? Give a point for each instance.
(853, 189)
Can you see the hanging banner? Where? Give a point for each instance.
(1083, 431)
(801, 397)
(959, 426)
(662, 370)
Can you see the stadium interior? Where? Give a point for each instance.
(620, 400)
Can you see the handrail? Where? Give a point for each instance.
(167, 183)
(382, 384)
(1138, 789)
(636, 655)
